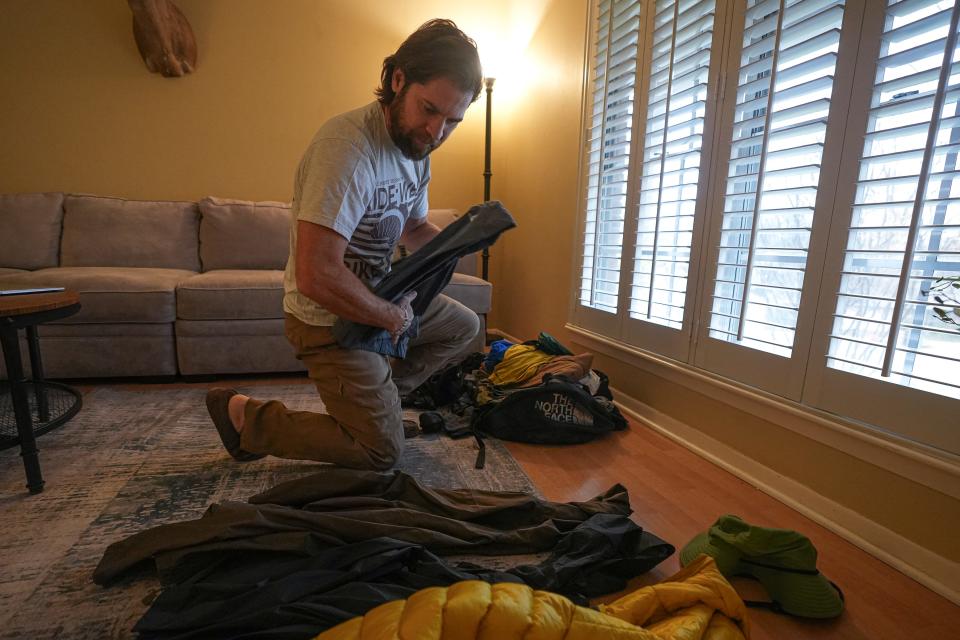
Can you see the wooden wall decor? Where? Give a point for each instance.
(164, 37)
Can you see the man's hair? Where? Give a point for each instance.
(437, 49)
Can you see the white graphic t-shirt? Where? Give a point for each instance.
(354, 180)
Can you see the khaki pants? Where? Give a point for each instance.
(361, 390)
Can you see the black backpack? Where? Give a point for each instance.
(559, 411)
(444, 387)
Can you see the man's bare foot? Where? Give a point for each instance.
(226, 412)
(235, 408)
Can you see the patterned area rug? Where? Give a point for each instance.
(131, 460)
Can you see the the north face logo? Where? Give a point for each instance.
(562, 409)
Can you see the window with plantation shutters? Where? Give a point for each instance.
(785, 83)
(609, 135)
(904, 233)
(671, 158)
(773, 198)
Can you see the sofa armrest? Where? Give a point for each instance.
(473, 292)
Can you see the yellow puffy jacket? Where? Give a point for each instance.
(695, 604)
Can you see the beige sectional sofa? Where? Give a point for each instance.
(166, 287)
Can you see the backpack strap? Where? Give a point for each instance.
(773, 605)
(806, 572)
(481, 460)
(481, 453)
(761, 604)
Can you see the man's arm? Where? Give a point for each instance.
(322, 277)
(418, 232)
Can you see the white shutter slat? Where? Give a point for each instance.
(898, 134)
(785, 138)
(893, 111)
(759, 29)
(902, 8)
(904, 61)
(804, 21)
(695, 92)
(798, 73)
(920, 83)
(803, 113)
(758, 68)
(756, 11)
(922, 27)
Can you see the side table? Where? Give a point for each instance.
(51, 403)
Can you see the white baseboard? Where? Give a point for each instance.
(939, 574)
(503, 335)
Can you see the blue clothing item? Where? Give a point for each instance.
(496, 353)
(427, 272)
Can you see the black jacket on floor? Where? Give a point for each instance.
(270, 596)
(313, 552)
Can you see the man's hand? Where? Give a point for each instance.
(404, 305)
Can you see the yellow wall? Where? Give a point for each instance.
(79, 112)
(536, 153)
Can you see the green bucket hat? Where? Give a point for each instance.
(784, 561)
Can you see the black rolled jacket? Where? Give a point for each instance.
(426, 271)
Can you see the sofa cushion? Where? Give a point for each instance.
(240, 234)
(113, 232)
(471, 291)
(5, 272)
(117, 352)
(106, 330)
(115, 294)
(30, 230)
(210, 347)
(231, 294)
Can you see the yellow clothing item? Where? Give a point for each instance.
(520, 362)
(695, 604)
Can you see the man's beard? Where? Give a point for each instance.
(401, 137)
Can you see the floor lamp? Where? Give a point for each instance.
(485, 254)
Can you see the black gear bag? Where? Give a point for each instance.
(559, 411)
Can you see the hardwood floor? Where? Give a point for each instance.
(676, 494)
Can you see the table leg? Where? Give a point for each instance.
(36, 373)
(21, 408)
